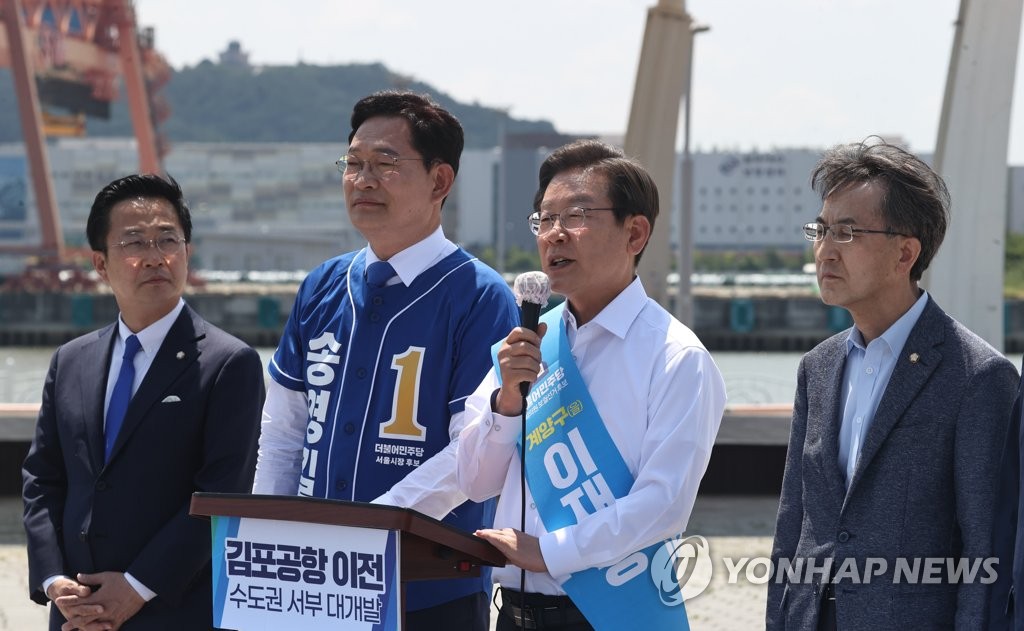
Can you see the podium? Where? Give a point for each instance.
(294, 562)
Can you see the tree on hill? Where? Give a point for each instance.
(303, 103)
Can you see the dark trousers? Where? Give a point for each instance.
(470, 613)
(538, 611)
(827, 613)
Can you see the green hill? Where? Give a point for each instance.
(304, 103)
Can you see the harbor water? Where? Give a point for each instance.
(749, 377)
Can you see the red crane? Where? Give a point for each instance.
(71, 53)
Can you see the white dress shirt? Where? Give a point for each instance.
(429, 488)
(661, 397)
(151, 339)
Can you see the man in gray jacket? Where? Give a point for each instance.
(898, 423)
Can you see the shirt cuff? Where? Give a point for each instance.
(51, 581)
(560, 554)
(500, 428)
(503, 429)
(146, 593)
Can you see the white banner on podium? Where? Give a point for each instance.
(277, 575)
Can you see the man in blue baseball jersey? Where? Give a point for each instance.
(384, 345)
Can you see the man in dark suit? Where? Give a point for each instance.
(1008, 533)
(898, 423)
(134, 418)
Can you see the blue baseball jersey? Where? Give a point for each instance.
(383, 370)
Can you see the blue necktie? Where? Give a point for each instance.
(121, 396)
(379, 273)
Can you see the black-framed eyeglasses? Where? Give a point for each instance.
(841, 232)
(572, 218)
(381, 165)
(168, 245)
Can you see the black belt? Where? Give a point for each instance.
(539, 611)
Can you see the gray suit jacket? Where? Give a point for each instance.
(191, 426)
(924, 485)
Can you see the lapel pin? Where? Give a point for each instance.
(181, 355)
(914, 357)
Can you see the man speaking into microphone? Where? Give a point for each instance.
(620, 421)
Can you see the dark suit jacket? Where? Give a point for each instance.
(1008, 536)
(924, 485)
(131, 515)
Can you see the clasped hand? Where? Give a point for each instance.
(105, 607)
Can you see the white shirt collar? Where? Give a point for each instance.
(415, 259)
(151, 337)
(619, 314)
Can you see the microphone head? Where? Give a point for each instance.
(532, 287)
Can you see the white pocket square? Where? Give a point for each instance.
(173, 398)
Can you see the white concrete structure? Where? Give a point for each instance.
(973, 142)
(661, 78)
(753, 201)
(1015, 203)
(476, 196)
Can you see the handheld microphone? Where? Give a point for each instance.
(532, 290)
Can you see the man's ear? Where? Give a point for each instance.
(99, 261)
(444, 177)
(639, 230)
(910, 251)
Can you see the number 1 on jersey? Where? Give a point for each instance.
(403, 423)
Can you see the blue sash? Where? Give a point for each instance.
(573, 469)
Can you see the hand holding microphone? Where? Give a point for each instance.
(519, 356)
(519, 360)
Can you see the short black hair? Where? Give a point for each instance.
(630, 187)
(436, 134)
(137, 186)
(915, 200)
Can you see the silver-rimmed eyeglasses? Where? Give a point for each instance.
(841, 232)
(381, 166)
(167, 244)
(572, 218)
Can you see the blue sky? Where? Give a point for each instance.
(789, 73)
